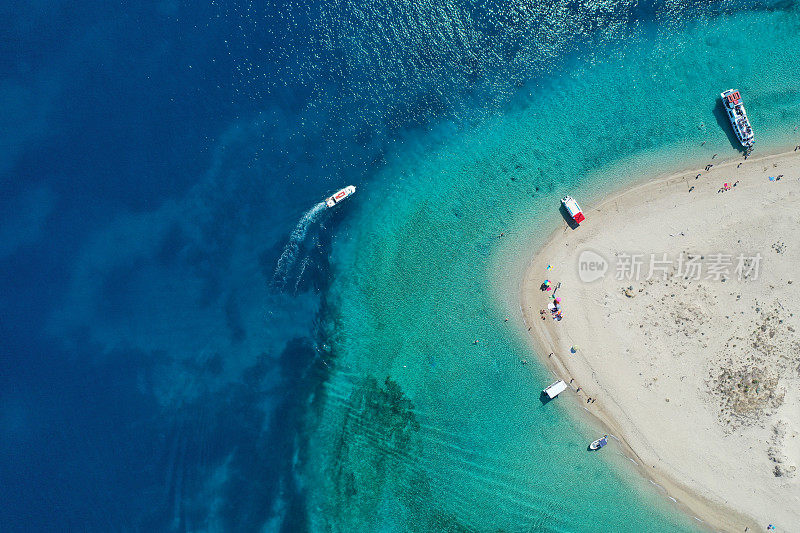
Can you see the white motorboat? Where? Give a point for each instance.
(599, 443)
(732, 101)
(555, 389)
(573, 209)
(339, 195)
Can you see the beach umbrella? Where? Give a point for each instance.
(558, 300)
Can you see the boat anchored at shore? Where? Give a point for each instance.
(573, 209)
(732, 101)
(599, 443)
(339, 195)
(555, 389)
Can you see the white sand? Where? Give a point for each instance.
(699, 378)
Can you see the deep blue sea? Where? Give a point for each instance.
(187, 343)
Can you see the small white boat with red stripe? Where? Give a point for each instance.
(573, 209)
(339, 195)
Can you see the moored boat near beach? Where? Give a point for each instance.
(555, 389)
(599, 443)
(732, 100)
(573, 209)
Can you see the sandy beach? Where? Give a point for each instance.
(680, 299)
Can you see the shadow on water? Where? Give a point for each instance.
(545, 399)
(725, 124)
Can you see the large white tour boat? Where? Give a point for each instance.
(732, 101)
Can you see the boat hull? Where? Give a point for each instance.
(339, 195)
(599, 443)
(732, 101)
(573, 209)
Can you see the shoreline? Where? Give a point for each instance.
(544, 337)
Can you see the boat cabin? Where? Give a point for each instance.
(573, 209)
(555, 389)
(733, 97)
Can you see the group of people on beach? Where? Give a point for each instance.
(727, 186)
(555, 311)
(589, 399)
(555, 306)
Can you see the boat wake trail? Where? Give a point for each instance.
(295, 250)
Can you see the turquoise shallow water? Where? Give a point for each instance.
(418, 428)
